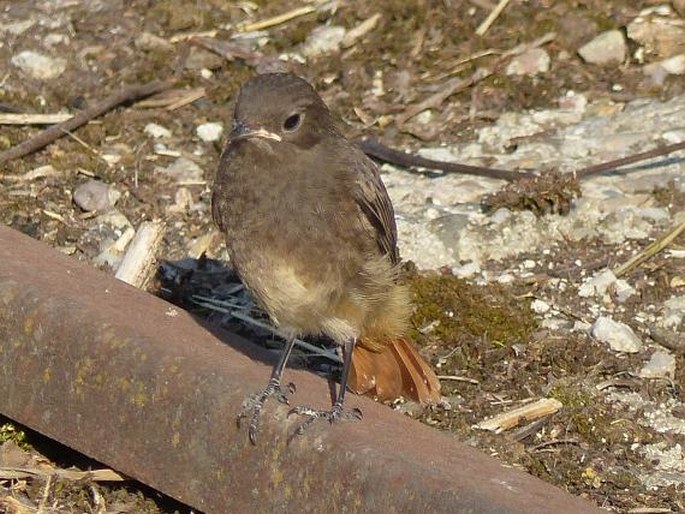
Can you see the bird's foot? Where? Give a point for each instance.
(336, 414)
(252, 406)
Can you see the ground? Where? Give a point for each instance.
(491, 336)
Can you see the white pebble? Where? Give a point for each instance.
(210, 132)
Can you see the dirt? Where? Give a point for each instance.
(484, 334)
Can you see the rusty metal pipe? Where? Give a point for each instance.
(133, 382)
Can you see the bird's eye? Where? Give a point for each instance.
(292, 122)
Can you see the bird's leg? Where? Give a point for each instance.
(253, 404)
(337, 412)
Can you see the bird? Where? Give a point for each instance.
(311, 232)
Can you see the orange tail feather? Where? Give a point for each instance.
(397, 370)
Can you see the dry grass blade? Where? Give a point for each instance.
(285, 17)
(358, 32)
(11, 505)
(483, 27)
(457, 378)
(651, 250)
(172, 98)
(96, 475)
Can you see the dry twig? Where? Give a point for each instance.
(532, 411)
(32, 119)
(129, 94)
(631, 159)
(378, 150)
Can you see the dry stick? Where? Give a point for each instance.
(378, 150)
(483, 27)
(617, 163)
(53, 133)
(453, 86)
(138, 265)
(32, 119)
(532, 411)
(651, 250)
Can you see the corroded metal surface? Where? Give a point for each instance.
(133, 382)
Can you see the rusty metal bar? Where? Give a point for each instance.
(133, 382)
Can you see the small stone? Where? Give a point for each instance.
(467, 270)
(107, 237)
(621, 290)
(210, 132)
(532, 62)
(199, 58)
(39, 66)
(659, 34)
(605, 48)
(95, 196)
(183, 170)
(673, 313)
(619, 336)
(16, 28)
(539, 306)
(679, 6)
(555, 323)
(183, 200)
(660, 365)
(500, 216)
(505, 279)
(157, 131)
(598, 284)
(56, 38)
(147, 41)
(323, 40)
(658, 71)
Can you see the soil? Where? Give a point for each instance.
(486, 334)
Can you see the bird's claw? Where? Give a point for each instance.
(252, 406)
(335, 414)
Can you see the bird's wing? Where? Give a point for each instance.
(219, 199)
(374, 202)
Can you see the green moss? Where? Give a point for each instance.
(9, 432)
(592, 419)
(456, 309)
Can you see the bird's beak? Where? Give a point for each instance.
(242, 131)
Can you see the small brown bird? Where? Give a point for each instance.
(311, 231)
